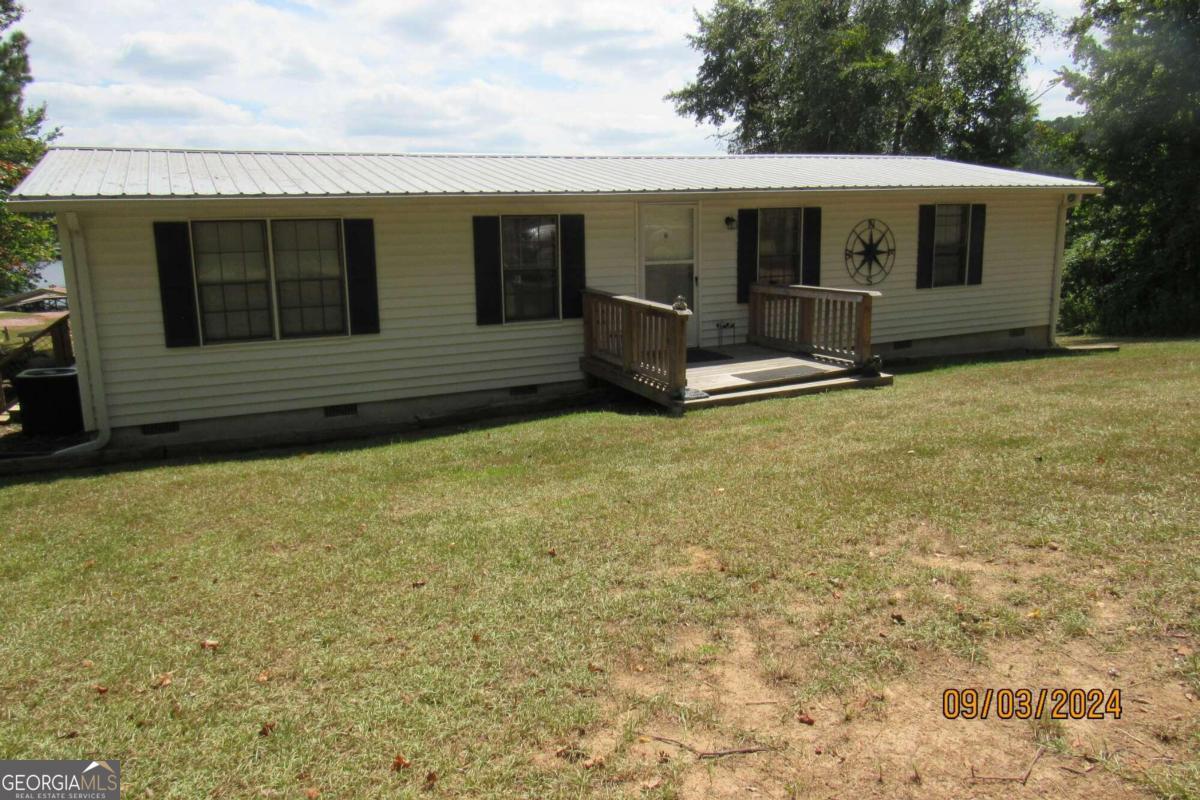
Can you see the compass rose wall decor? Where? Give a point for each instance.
(870, 252)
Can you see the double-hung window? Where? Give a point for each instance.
(233, 280)
(951, 237)
(309, 280)
(529, 263)
(780, 240)
(251, 285)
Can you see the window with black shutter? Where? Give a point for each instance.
(266, 279)
(778, 246)
(528, 268)
(950, 245)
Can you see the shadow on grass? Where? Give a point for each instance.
(905, 366)
(605, 399)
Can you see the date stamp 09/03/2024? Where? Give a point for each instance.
(1031, 703)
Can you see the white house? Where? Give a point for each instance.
(233, 294)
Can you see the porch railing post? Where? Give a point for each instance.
(627, 338)
(862, 339)
(677, 344)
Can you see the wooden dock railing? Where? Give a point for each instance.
(832, 323)
(638, 344)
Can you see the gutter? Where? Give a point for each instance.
(75, 268)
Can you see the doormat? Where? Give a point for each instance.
(698, 355)
(780, 373)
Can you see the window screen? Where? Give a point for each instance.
(529, 263)
(309, 279)
(950, 245)
(779, 237)
(233, 280)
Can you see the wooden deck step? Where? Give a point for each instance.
(786, 380)
(729, 398)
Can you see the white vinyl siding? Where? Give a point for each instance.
(1018, 262)
(429, 343)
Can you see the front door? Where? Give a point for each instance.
(668, 247)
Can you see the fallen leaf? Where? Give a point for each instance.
(552, 552)
(87, 663)
(400, 762)
(100, 689)
(1052, 545)
(570, 752)
(593, 762)
(805, 719)
(1035, 614)
(70, 735)
(311, 794)
(1183, 652)
(163, 681)
(476, 638)
(898, 618)
(91, 562)
(638, 668)
(417, 584)
(209, 644)
(593, 668)
(264, 676)
(266, 729)
(430, 779)
(653, 783)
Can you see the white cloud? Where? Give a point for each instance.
(420, 75)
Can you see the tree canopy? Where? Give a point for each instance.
(27, 242)
(933, 77)
(1132, 262)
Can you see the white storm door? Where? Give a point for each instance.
(668, 247)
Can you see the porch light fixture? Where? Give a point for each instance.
(731, 223)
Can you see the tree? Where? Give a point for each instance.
(936, 77)
(1050, 148)
(1132, 266)
(27, 242)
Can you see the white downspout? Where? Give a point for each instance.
(83, 307)
(1060, 243)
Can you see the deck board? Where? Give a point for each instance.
(746, 359)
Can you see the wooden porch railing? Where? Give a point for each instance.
(638, 344)
(13, 361)
(832, 323)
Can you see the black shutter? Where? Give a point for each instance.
(176, 286)
(811, 249)
(360, 275)
(747, 252)
(926, 226)
(489, 287)
(975, 254)
(574, 273)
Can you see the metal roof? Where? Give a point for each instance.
(79, 173)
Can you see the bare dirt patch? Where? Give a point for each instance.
(698, 560)
(718, 692)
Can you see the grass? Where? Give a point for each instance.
(466, 599)
(16, 324)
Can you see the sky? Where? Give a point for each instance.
(535, 76)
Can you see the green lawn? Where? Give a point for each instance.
(518, 608)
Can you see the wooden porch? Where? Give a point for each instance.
(801, 340)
